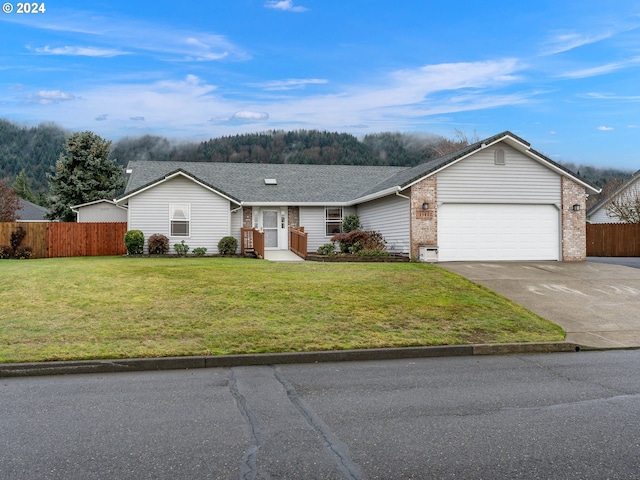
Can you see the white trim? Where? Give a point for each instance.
(95, 202)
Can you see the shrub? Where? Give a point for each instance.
(23, 253)
(134, 241)
(6, 251)
(199, 251)
(227, 246)
(16, 238)
(351, 223)
(158, 244)
(181, 248)
(327, 249)
(359, 240)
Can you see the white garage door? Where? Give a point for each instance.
(498, 232)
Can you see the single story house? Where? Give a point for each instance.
(497, 199)
(628, 192)
(100, 211)
(30, 212)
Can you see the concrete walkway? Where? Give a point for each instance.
(597, 304)
(282, 256)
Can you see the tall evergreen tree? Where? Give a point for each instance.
(84, 173)
(22, 188)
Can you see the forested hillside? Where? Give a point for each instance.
(34, 150)
(37, 149)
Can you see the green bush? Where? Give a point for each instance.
(351, 223)
(327, 249)
(158, 244)
(199, 251)
(134, 241)
(181, 248)
(227, 246)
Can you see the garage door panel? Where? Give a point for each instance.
(498, 232)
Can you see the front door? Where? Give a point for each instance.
(270, 228)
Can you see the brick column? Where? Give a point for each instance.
(424, 223)
(247, 217)
(294, 216)
(574, 223)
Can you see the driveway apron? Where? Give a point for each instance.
(597, 304)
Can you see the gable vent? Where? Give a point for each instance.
(270, 181)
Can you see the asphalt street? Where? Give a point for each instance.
(562, 415)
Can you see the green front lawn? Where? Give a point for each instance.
(118, 307)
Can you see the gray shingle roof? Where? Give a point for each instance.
(31, 211)
(246, 181)
(296, 184)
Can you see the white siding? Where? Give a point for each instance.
(313, 221)
(601, 216)
(236, 225)
(210, 213)
(478, 180)
(101, 212)
(390, 217)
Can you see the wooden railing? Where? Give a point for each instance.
(298, 241)
(252, 242)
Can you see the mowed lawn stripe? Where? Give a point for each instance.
(119, 307)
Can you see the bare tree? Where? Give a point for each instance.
(9, 203)
(625, 206)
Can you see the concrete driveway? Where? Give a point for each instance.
(597, 304)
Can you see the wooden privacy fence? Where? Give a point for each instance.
(59, 239)
(613, 240)
(252, 242)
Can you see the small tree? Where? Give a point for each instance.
(625, 206)
(84, 173)
(9, 203)
(350, 223)
(22, 187)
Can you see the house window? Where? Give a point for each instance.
(499, 157)
(180, 216)
(333, 220)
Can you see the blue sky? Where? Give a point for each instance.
(564, 75)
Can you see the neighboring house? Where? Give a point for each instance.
(30, 212)
(497, 199)
(100, 211)
(599, 212)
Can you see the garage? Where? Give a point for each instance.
(478, 232)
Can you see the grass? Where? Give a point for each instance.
(118, 307)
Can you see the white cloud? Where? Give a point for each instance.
(605, 129)
(600, 70)
(243, 116)
(137, 119)
(568, 41)
(47, 97)
(101, 118)
(290, 84)
(610, 96)
(80, 51)
(286, 5)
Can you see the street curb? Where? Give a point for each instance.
(183, 363)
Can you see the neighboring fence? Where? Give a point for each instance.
(613, 240)
(298, 241)
(59, 239)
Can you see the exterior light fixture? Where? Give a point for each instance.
(576, 208)
(425, 206)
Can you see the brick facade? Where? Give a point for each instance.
(294, 216)
(574, 223)
(424, 223)
(247, 217)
